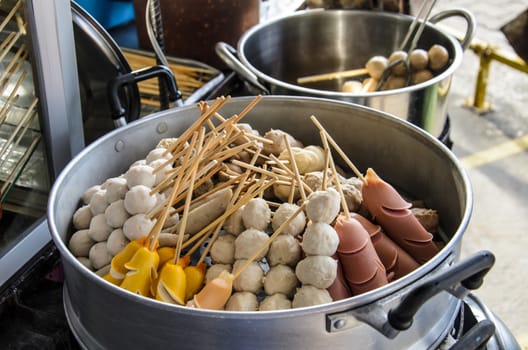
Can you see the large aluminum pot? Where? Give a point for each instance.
(102, 315)
(274, 54)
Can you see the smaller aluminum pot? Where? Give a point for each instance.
(274, 54)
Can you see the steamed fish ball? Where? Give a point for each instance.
(157, 154)
(163, 172)
(85, 261)
(256, 214)
(99, 230)
(250, 280)
(242, 301)
(137, 226)
(234, 224)
(82, 217)
(139, 200)
(116, 242)
(276, 301)
(80, 243)
(309, 296)
(283, 213)
(320, 239)
(116, 188)
(248, 242)
(280, 279)
(317, 270)
(284, 249)
(98, 202)
(87, 195)
(140, 175)
(223, 249)
(214, 271)
(278, 145)
(323, 206)
(99, 256)
(116, 214)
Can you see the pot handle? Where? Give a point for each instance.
(471, 24)
(228, 54)
(457, 280)
(466, 275)
(115, 85)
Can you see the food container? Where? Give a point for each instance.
(102, 315)
(274, 54)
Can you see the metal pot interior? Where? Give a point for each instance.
(314, 42)
(402, 154)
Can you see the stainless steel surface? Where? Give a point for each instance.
(311, 42)
(373, 138)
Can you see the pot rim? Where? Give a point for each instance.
(383, 293)
(455, 63)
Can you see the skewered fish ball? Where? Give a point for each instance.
(438, 57)
(418, 59)
(278, 145)
(223, 250)
(242, 301)
(352, 86)
(99, 255)
(98, 202)
(320, 239)
(308, 159)
(323, 206)
(283, 213)
(276, 301)
(234, 224)
(116, 188)
(284, 249)
(317, 270)
(140, 175)
(250, 280)
(309, 295)
(116, 214)
(116, 242)
(158, 153)
(82, 217)
(137, 226)
(139, 200)
(376, 65)
(247, 243)
(421, 76)
(256, 214)
(80, 243)
(99, 230)
(214, 271)
(399, 69)
(280, 279)
(163, 171)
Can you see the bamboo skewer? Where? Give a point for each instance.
(10, 15)
(11, 98)
(333, 75)
(11, 178)
(295, 168)
(23, 121)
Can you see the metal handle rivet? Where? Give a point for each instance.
(119, 145)
(162, 128)
(339, 324)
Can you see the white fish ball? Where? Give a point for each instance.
(163, 172)
(116, 214)
(234, 224)
(140, 175)
(138, 200)
(99, 230)
(317, 270)
(85, 261)
(98, 202)
(87, 195)
(137, 226)
(248, 242)
(284, 249)
(116, 188)
(223, 249)
(276, 301)
(320, 239)
(323, 206)
(283, 213)
(99, 256)
(158, 154)
(256, 214)
(280, 279)
(82, 217)
(116, 242)
(214, 271)
(309, 296)
(249, 280)
(242, 301)
(80, 243)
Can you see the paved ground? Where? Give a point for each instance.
(493, 147)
